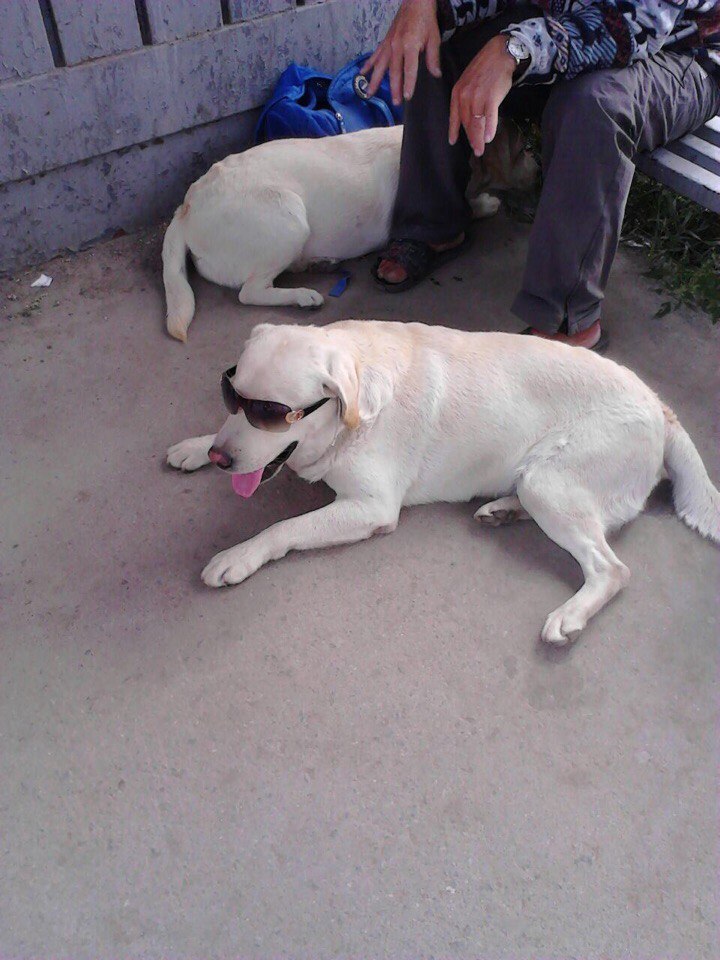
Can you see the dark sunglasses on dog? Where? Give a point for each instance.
(263, 414)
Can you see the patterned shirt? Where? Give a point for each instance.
(570, 37)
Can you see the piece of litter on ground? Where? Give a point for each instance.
(436, 282)
(459, 279)
(341, 286)
(42, 281)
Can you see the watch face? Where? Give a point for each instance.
(518, 49)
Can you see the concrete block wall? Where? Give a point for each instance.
(109, 109)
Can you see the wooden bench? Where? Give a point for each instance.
(689, 166)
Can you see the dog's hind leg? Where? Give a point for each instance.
(504, 510)
(570, 516)
(262, 293)
(282, 247)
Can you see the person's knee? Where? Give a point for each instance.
(592, 103)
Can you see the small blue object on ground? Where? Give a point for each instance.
(341, 286)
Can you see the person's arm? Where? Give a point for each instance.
(598, 35)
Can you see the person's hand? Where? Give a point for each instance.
(414, 30)
(477, 95)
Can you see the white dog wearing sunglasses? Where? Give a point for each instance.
(419, 414)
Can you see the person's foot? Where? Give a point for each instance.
(390, 271)
(584, 338)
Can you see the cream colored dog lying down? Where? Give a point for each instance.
(420, 414)
(294, 204)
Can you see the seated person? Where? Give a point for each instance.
(607, 79)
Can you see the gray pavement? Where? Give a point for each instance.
(360, 752)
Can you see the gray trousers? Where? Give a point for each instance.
(592, 129)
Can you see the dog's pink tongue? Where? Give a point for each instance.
(246, 484)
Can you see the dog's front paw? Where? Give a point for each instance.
(189, 454)
(483, 206)
(498, 512)
(231, 566)
(310, 299)
(496, 518)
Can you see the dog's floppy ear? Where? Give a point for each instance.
(376, 391)
(362, 390)
(341, 380)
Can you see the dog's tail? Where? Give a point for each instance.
(697, 501)
(178, 292)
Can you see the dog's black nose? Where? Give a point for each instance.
(220, 458)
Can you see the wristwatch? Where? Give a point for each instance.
(518, 50)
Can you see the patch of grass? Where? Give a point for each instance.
(682, 242)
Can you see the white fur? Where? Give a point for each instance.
(423, 414)
(283, 205)
(293, 204)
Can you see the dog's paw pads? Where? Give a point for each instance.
(560, 629)
(496, 517)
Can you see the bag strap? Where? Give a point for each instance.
(384, 109)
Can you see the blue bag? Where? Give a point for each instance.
(306, 103)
